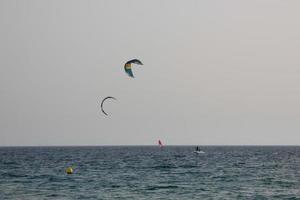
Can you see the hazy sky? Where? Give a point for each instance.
(214, 73)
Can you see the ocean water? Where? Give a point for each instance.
(148, 172)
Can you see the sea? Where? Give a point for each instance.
(150, 172)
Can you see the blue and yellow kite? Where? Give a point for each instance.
(127, 66)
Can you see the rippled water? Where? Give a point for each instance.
(147, 172)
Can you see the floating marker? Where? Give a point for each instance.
(69, 170)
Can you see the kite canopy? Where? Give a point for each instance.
(127, 66)
(109, 97)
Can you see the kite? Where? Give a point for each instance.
(127, 66)
(105, 100)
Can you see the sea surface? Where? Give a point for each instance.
(148, 172)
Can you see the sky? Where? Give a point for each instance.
(214, 73)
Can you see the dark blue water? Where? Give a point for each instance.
(147, 172)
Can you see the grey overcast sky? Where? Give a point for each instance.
(214, 73)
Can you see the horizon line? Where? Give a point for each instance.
(172, 145)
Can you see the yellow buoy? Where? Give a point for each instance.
(69, 170)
